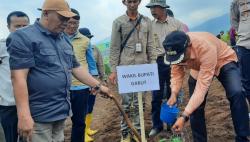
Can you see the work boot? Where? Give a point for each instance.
(91, 132)
(88, 138)
(125, 138)
(154, 132)
(88, 121)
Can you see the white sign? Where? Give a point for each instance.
(137, 78)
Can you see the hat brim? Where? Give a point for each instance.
(157, 4)
(89, 36)
(67, 14)
(173, 60)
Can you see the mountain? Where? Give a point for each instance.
(214, 25)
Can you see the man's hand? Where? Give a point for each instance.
(103, 90)
(25, 127)
(113, 78)
(172, 100)
(179, 124)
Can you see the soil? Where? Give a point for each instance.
(218, 119)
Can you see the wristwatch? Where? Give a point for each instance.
(186, 118)
(97, 87)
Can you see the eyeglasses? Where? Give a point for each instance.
(73, 23)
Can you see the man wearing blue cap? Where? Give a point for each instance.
(162, 25)
(207, 57)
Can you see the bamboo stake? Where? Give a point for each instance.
(141, 114)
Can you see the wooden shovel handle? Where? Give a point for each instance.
(126, 118)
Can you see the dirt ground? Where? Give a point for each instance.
(218, 119)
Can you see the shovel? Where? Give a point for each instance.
(125, 116)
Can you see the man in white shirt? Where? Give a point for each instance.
(8, 113)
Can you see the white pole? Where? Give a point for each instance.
(141, 114)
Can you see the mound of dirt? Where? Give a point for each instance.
(218, 119)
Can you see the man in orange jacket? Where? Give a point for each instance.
(207, 57)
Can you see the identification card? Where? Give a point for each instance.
(138, 47)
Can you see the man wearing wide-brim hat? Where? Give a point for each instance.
(42, 63)
(162, 25)
(209, 57)
(161, 3)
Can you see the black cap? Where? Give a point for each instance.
(86, 32)
(77, 17)
(175, 45)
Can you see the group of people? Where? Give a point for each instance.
(230, 37)
(38, 92)
(136, 39)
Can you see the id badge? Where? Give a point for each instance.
(138, 47)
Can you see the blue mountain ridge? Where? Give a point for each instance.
(214, 25)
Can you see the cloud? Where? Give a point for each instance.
(195, 12)
(202, 15)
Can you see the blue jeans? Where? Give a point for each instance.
(165, 91)
(244, 59)
(79, 105)
(91, 103)
(8, 119)
(230, 79)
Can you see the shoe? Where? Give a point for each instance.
(88, 138)
(88, 122)
(154, 132)
(126, 138)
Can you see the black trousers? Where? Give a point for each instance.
(230, 79)
(8, 117)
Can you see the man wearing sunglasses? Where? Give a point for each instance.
(42, 63)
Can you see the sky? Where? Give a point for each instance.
(98, 15)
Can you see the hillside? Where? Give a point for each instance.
(214, 25)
